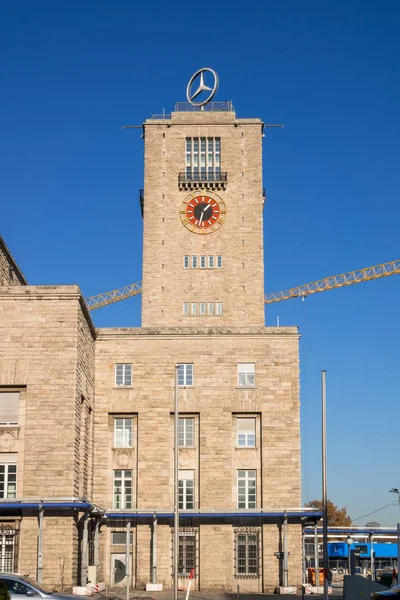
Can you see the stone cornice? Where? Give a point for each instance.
(205, 332)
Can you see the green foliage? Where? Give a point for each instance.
(4, 593)
(336, 516)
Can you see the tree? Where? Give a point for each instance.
(336, 516)
(4, 593)
(372, 524)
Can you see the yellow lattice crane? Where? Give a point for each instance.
(301, 291)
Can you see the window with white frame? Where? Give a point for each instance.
(246, 554)
(123, 429)
(219, 308)
(194, 262)
(202, 262)
(203, 158)
(123, 374)
(211, 308)
(246, 374)
(194, 308)
(185, 262)
(185, 374)
(210, 262)
(202, 308)
(186, 432)
(186, 489)
(8, 476)
(219, 262)
(186, 308)
(246, 432)
(9, 408)
(123, 489)
(187, 553)
(7, 551)
(246, 488)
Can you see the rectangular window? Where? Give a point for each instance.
(186, 432)
(203, 157)
(185, 375)
(210, 262)
(219, 309)
(246, 374)
(219, 262)
(246, 546)
(186, 308)
(202, 262)
(185, 262)
(123, 433)
(194, 262)
(246, 488)
(211, 308)
(187, 553)
(202, 308)
(246, 432)
(123, 374)
(8, 477)
(119, 538)
(194, 308)
(122, 489)
(9, 408)
(186, 490)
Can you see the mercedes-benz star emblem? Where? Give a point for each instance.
(198, 77)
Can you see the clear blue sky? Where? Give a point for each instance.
(72, 73)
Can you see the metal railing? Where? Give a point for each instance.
(210, 107)
(210, 176)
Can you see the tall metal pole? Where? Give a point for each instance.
(154, 566)
(371, 539)
(84, 553)
(128, 558)
(324, 488)
(176, 485)
(40, 547)
(285, 554)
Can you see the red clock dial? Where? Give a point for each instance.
(203, 211)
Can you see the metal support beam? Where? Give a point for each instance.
(176, 485)
(154, 561)
(285, 554)
(96, 544)
(84, 551)
(371, 540)
(324, 488)
(40, 546)
(316, 555)
(128, 558)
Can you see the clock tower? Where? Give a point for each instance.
(202, 207)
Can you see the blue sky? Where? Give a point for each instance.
(73, 73)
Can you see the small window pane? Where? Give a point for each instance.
(185, 262)
(211, 262)
(185, 374)
(211, 308)
(194, 262)
(202, 308)
(219, 308)
(194, 308)
(219, 262)
(186, 308)
(202, 262)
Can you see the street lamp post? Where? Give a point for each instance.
(349, 542)
(397, 491)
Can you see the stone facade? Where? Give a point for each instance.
(91, 478)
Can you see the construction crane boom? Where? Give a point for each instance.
(336, 281)
(302, 291)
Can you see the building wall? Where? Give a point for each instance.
(10, 273)
(48, 354)
(239, 285)
(216, 399)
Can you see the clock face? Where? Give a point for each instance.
(203, 211)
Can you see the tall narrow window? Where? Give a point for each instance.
(210, 262)
(186, 432)
(219, 262)
(123, 433)
(8, 477)
(246, 374)
(194, 308)
(123, 374)
(211, 308)
(219, 308)
(187, 553)
(246, 488)
(246, 432)
(202, 262)
(185, 375)
(202, 308)
(203, 158)
(246, 551)
(186, 308)
(185, 262)
(122, 489)
(186, 490)
(194, 262)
